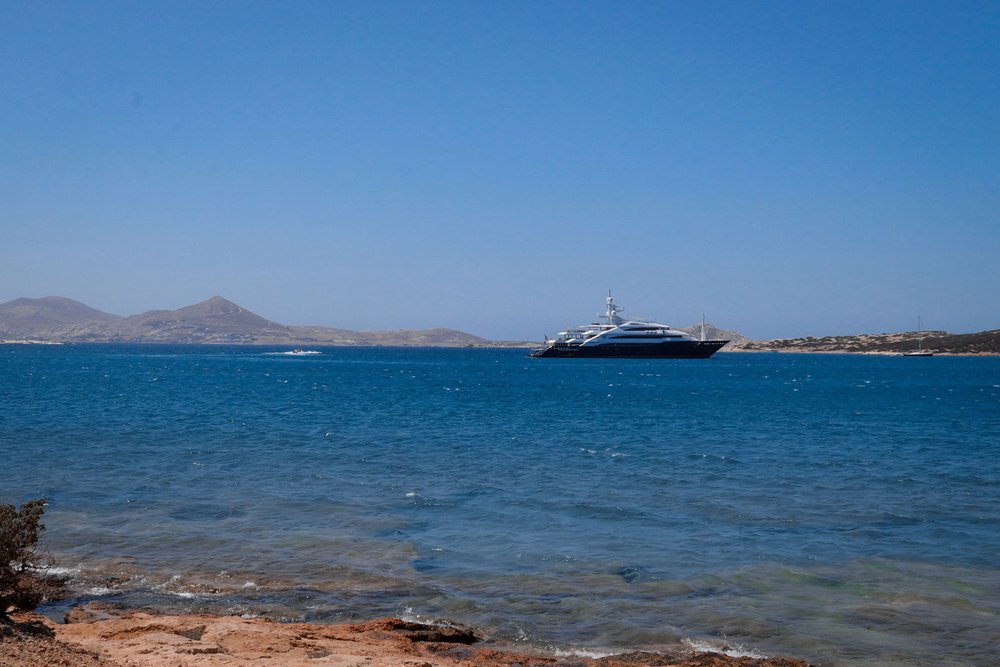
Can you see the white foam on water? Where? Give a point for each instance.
(249, 584)
(99, 590)
(58, 571)
(410, 616)
(732, 650)
(583, 653)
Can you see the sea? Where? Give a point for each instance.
(843, 509)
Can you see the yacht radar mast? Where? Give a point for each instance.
(612, 312)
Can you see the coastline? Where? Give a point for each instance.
(96, 635)
(497, 345)
(858, 353)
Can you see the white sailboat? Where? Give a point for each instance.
(920, 351)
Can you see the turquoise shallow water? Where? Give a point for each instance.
(840, 508)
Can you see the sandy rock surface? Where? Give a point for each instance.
(96, 638)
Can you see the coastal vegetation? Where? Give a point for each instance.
(20, 587)
(939, 342)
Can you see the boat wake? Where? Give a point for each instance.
(293, 353)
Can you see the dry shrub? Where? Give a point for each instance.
(20, 588)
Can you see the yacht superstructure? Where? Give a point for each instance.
(627, 338)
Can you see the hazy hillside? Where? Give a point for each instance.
(215, 320)
(49, 314)
(49, 318)
(403, 337)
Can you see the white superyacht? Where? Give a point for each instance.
(627, 338)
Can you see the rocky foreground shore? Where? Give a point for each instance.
(99, 637)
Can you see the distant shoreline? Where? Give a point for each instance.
(496, 345)
(217, 321)
(873, 353)
(29, 342)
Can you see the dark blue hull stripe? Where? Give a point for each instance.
(698, 349)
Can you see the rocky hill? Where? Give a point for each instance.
(213, 321)
(216, 321)
(48, 318)
(939, 342)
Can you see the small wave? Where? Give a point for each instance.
(292, 353)
(732, 650)
(57, 571)
(583, 653)
(410, 616)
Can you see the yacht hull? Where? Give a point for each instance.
(699, 349)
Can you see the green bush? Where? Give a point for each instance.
(20, 589)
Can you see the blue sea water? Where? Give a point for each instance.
(840, 508)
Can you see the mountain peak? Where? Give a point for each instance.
(216, 305)
(215, 313)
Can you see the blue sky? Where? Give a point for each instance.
(786, 168)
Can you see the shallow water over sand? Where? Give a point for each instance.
(839, 508)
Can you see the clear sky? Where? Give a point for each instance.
(786, 168)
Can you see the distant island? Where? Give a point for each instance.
(216, 321)
(938, 342)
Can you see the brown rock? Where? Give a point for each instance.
(144, 640)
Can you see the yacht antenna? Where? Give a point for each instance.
(612, 316)
(703, 326)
